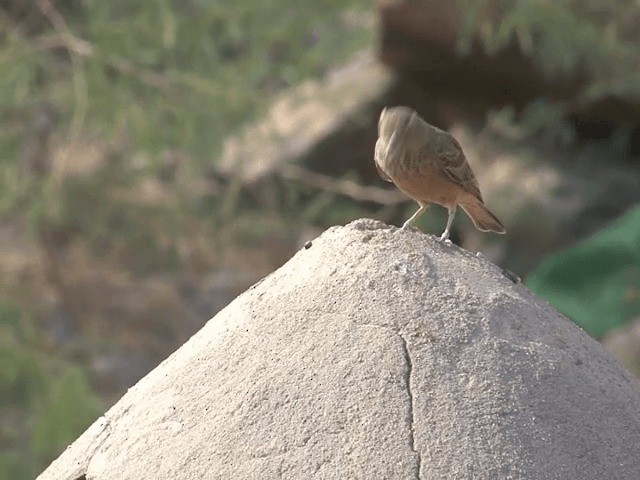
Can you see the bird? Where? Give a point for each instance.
(428, 165)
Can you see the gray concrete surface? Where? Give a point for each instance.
(374, 353)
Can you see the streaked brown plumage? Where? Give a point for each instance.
(428, 164)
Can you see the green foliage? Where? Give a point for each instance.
(572, 38)
(172, 73)
(597, 283)
(14, 466)
(107, 90)
(43, 392)
(140, 79)
(541, 120)
(66, 410)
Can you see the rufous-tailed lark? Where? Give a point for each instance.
(428, 164)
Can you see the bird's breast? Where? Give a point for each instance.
(428, 186)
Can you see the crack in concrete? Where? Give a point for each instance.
(408, 363)
(407, 377)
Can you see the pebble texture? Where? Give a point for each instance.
(374, 353)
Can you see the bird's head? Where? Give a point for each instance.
(396, 119)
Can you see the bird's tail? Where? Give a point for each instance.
(481, 216)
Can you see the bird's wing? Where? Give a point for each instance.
(379, 152)
(457, 169)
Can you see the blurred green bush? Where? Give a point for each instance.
(596, 283)
(166, 74)
(123, 94)
(45, 402)
(587, 39)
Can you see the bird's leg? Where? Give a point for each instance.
(452, 213)
(419, 212)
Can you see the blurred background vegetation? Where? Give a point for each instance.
(118, 236)
(113, 114)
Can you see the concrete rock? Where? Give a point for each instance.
(374, 353)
